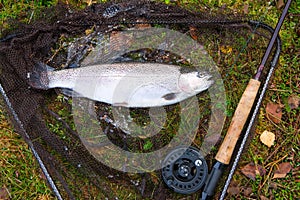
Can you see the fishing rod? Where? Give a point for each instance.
(240, 117)
(256, 109)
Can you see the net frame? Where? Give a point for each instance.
(15, 84)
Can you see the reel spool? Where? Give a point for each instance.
(185, 170)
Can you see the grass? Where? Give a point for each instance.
(20, 174)
(22, 178)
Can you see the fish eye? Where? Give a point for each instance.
(200, 74)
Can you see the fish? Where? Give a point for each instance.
(133, 85)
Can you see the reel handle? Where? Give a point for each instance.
(238, 121)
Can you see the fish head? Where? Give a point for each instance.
(195, 81)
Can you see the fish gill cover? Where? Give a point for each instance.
(64, 37)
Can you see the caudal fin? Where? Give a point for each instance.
(38, 77)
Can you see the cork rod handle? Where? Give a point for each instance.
(238, 121)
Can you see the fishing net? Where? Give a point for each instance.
(63, 37)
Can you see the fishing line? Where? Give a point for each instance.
(255, 27)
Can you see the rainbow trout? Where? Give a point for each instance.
(125, 84)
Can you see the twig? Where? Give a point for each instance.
(277, 161)
(274, 152)
(271, 169)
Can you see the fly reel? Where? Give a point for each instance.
(185, 170)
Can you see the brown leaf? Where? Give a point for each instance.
(43, 197)
(260, 170)
(294, 101)
(251, 170)
(267, 138)
(233, 190)
(246, 9)
(297, 29)
(296, 172)
(274, 112)
(271, 195)
(283, 169)
(4, 195)
(273, 185)
(142, 24)
(280, 4)
(263, 197)
(193, 32)
(247, 191)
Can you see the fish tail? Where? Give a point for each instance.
(38, 77)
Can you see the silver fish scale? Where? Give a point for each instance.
(129, 69)
(130, 84)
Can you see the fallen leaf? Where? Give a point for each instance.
(267, 138)
(43, 197)
(280, 4)
(271, 195)
(283, 170)
(274, 112)
(251, 171)
(297, 29)
(294, 101)
(260, 170)
(296, 172)
(42, 175)
(193, 32)
(88, 31)
(4, 195)
(247, 191)
(142, 24)
(273, 185)
(233, 190)
(246, 9)
(263, 197)
(226, 49)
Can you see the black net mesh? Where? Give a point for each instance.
(45, 114)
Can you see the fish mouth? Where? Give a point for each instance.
(209, 81)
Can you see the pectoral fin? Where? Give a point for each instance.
(170, 96)
(70, 93)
